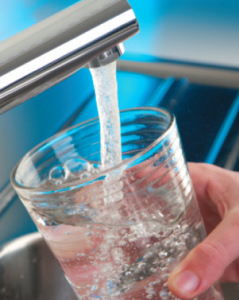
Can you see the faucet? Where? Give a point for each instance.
(87, 34)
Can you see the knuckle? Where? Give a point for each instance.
(212, 253)
(218, 194)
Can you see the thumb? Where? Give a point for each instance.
(205, 264)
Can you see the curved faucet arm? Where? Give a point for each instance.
(52, 50)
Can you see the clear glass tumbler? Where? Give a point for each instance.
(117, 233)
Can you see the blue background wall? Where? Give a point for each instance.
(200, 30)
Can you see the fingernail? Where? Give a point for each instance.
(186, 281)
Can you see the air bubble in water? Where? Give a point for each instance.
(185, 227)
(81, 254)
(77, 165)
(142, 265)
(152, 283)
(96, 167)
(122, 243)
(89, 233)
(118, 255)
(58, 175)
(153, 270)
(125, 267)
(147, 256)
(163, 254)
(94, 171)
(164, 295)
(165, 285)
(94, 287)
(84, 175)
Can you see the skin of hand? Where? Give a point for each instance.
(216, 258)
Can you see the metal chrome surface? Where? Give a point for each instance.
(107, 57)
(52, 50)
(199, 74)
(29, 271)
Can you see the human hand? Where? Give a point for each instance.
(216, 258)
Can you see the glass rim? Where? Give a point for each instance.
(66, 186)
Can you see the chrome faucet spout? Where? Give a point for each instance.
(89, 33)
(106, 57)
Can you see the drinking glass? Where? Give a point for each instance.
(117, 233)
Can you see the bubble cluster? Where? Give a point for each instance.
(58, 175)
(115, 260)
(118, 255)
(73, 169)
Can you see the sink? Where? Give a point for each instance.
(29, 271)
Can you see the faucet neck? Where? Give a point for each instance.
(52, 50)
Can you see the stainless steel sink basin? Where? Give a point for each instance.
(29, 271)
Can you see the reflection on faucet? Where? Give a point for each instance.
(87, 33)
